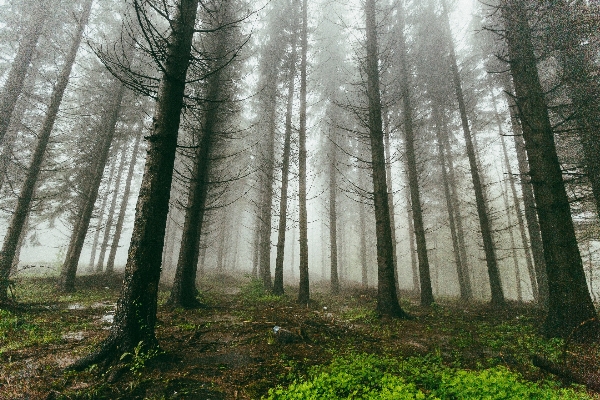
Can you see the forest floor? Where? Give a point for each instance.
(227, 350)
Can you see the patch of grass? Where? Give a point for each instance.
(360, 314)
(377, 377)
(254, 293)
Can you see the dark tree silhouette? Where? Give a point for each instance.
(569, 301)
(135, 317)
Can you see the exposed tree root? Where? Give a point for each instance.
(590, 380)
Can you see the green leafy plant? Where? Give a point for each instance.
(372, 377)
(138, 359)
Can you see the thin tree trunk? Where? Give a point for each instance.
(413, 178)
(26, 194)
(484, 223)
(513, 245)
(66, 282)
(460, 231)
(363, 244)
(464, 281)
(110, 264)
(517, 210)
(411, 242)
(20, 66)
(304, 288)
(111, 211)
(333, 243)
(105, 196)
(388, 177)
(387, 298)
(135, 317)
(264, 258)
(569, 303)
(285, 171)
(533, 226)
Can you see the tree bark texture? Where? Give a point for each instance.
(387, 298)
(304, 286)
(26, 194)
(569, 301)
(135, 317)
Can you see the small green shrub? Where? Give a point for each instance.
(369, 377)
(254, 292)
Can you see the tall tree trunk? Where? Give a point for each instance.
(101, 209)
(66, 282)
(460, 231)
(517, 209)
(110, 264)
(569, 302)
(464, 281)
(533, 226)
(390, 186)
(581, 75)
(21, 212)
(304, 288)
(183, 292)
(387, 298)
(411, 245)
(264, 258)
(111, 211)
(135, 317)
(484, 223)
(513, 245)
(333, 243)
(363, 244)
(285, 171)
(413, 178)
(20, 66)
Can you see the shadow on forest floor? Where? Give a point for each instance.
(228, 350)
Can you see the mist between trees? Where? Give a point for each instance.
(431, 149)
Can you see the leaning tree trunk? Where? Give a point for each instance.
(304, 289)
(464, 281)
(387, 298)
(516, 206)
(111, 211)
(581, 75)
(21, 212)
(20, 65)
(413, 178)
(135, 317)
(285, 171)
(484, 223)
(533, 226)
(569, 302)
(66, 282)
(184, 291)
(110, 264)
